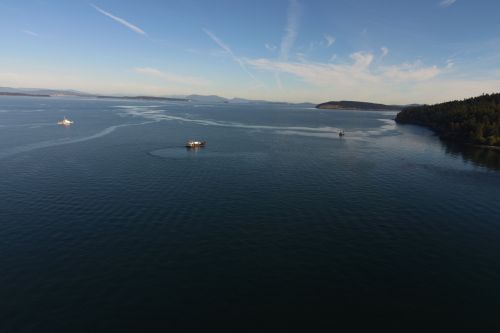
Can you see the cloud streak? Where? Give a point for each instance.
(271, 47)
(288, 39)
(127, 24)
(410, 72)
(362, 78)
(291, 29)
(330, 40)
(230, 52)
(357, 72)
(385, 51)
(174, 78)
(31, 33)
(447, 3)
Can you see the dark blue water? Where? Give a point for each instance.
(111, 225)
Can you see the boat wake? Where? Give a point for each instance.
(152, 114)
(320, 132)
(158, 115)
(59, 142)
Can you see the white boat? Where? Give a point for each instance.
(65, 122)
(195, 144)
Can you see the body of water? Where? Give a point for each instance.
(111, 224)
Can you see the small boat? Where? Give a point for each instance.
(195, 144)
(65, 122)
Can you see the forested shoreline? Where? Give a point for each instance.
(473, 120)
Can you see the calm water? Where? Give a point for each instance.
(112, 225)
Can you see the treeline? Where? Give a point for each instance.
(357, 106)
(474, 120)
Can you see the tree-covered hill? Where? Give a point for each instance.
(474, 120)
(355, 105)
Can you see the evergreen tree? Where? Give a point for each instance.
(474, 120)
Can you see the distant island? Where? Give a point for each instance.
(212, 99)
(147, 98)
(41, 92)
(236, 100)
(354, 105)
(3, 93)
(207, 99)
(474, 120)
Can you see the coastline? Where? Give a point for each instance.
(444, 138)
(497, 148)
(22, 95)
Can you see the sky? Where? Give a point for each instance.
(386, 51)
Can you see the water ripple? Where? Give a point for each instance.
(59, 142)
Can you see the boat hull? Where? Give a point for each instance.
(195, 144)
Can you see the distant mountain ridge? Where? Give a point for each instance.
(36, 92)
(333, 105)
(39, 92)
(207, 98)
(3, 93)
(237, 100)
(146, 98)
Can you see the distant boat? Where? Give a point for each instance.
(65, 122)
(341, 133)
(195, 144)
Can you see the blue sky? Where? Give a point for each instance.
(291, 50)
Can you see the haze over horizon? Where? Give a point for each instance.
(285, 50)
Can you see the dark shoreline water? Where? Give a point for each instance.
(486, 156)
(112, 225)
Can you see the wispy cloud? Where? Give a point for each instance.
(326, 42)
(411, 72)
(174, 78)
(271, 47)
(447, 3)
(31, 33)
(291, 28)
(362, 60)
(361, 77)
(330, 40)
(385, 51)
(359, 72)
(230, 52)
(288, 39)
(129, 25)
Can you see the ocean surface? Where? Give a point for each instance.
(112, 225)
